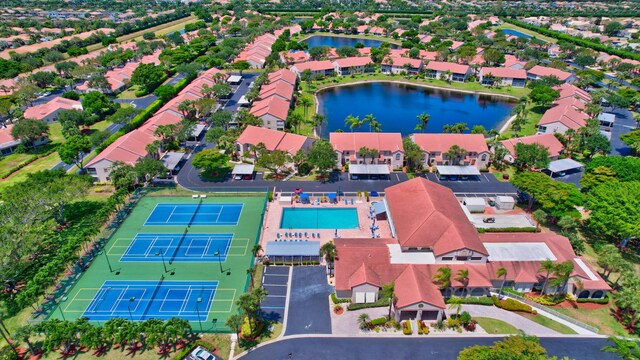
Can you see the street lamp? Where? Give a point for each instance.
(60, 308)
(108, 262)
(217, 253)
(198, 301)
(164, 265)
(131, 299)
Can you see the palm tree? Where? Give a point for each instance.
(374, 124)
(388, 291)
(256, 249)
(234, 322)
(328, 252)
(455, 303)
(454, 153)
(547, 267)
(318, 120)
(24, 333)
(502, 273)
(294, 119)
(462, 276)
(625, 349)
(364, 152)
(353, 122)
(307, 76)
(423, 121)
(562, 274)
(251, 272)
(442, 278)
(305, 102)
(363, 321)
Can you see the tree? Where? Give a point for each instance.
(462, 276)
(519, 347)
(307, 77)
(546, 267)
(241, 65)
(531, 156)
(43, 79)
(413, 155)
(274, 160)
(455, 303)
(353, 122)
(442, 278)
(615, 210)
(584, 60)
(455, 154)
(457, 128)
(493, 56)
(423, 121)
(210, 160)
(388, 292)
(595, 144)
(305, 102)
(556, 198)
(71, 120)
(221, 89)
(328, 253)
(165, 92)
(363, 321)
(24, 333)
(323, 156)
(501, 273)
(625, 349)
(318, 120)
(294, 120)
(234, 322)
(148, 76)
(612, 28)
(562, 274)
(478, 129)
(73, 150)
(98, 104)
(544, 95)
(618, 101)
(374, 125)
(29, 131)
(610, 260)
(540, 216)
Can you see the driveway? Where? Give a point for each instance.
(486, 186)
(309, 311)
(238, 92)
(623, 124)
(423, 348)
(140, 103)
(275, 280)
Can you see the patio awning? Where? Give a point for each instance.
(293, 248)
(563, 165)
(243, 169)
(379, 208)
(457, 170)
(607, 118)
(170, 160)
(234, 79)
(243, 101)
(304, 196)
(370, 169)
(197, 131)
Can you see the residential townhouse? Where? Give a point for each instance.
(563, 115)
(397, 65)
(8, 144)
(318, 68)
(348, 146)
(48, 112)
(436, 146)
(353, 65)
(538, 72)
(274, 99)
(447, 71)
(272, 140)
(503, 77)
(549, 141)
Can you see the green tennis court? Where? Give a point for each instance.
(226, 268)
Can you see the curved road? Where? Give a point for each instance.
(440, 348)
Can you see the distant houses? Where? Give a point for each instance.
(319, 68)
(398, 65)
(272, 140)
(353, 65)
(275, 99)
(538, 72)
(566, 112)
(49, 111)
(447, 71)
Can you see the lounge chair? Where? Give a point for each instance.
(278, 235)
(313, 235)
(318, 235)
(305, 234)
(351, 201)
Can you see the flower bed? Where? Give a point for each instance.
(548, 300)
(423, 328)
(406, 328)
(513, 305)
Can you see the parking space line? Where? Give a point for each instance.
(263, 285)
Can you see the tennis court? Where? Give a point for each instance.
(195, 214)
(178, 247)
(141, 300)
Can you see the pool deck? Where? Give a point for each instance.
(274, 215)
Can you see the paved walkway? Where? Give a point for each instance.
(519, 322)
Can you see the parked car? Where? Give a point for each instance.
(200, 353)
(489, 220)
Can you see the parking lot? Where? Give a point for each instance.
(309, 311)
(502, 221)
(485, 185)
(275, 280)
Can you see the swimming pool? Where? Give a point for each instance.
(319, 218)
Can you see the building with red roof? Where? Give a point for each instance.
(563, 115)
(549, 141)
(317, 68)
(272, 140)
(502, 76)
(447, 71)
(273, 111)
(430, 231)
(283, 75)
(294, 57)
(353, 65)
(512, 62)
(8, 144)
(49, 111)
(348, 144)
(572, 91)
(398, 64)
(436, 146)
(538, 72)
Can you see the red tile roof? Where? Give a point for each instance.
(541, 71)
(572, 91)
(278, 88)
(283, 74)
(41, 111)
(447, 66)
(364, 275)
(568, 115)
(428, 215)
(412, 286)
(549, 141)
(321, 65)
(128, 148)
(272, 139)
(402, 61)
(501, 72)
(354, 141)
(274, 105)
(443, 142)
(511, 60)
(353, 61)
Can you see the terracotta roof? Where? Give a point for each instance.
(274, 105)
(501, 72)
(128, 148)
(568, 115)
(295, 56)
(354, 141)
(364, 275)
(278, 88)
(541, 71)
(443, 142)
(314, 66)
(353, 61)
(41, 111)
(447, 66)
(511, 60)
(272, 139)
(401, 61)
(283, 74)
(549, 141)
(411, 288)
(428, 215)
(5, 135)
(570, 90)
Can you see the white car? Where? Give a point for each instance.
(201, 353)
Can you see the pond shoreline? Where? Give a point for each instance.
(503, 125)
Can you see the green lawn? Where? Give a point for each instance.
(600, 318)
(546, 322)
(129, 93)
(12, 160)
(495, 326)
(44, 163)
(531, 126)
(509, 171)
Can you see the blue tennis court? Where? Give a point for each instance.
(195, 214)
(142, 300)
(178, 247)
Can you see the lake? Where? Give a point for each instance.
(338, 42)
(396, 106)
(516, 33)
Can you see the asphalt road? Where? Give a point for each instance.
(309, 301)
(425, 348)
(623, 124)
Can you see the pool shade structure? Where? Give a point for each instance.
(304, 198)
(380, 210)
(369, 171)
(332, 198)
(607, 119)
(234, 79)
(451, 172)
(562, 165)
(291, 251)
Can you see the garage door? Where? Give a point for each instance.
(370, 297)
(360, 296)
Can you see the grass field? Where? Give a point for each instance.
(551, 324)
(231, 282)
(495, 326)
(600, 318)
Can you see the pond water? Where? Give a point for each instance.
(338, 42)
(396, 106)
(516, 33)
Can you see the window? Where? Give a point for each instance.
(484, 157)
(462, 258)
(542, 129)
(476, 258)
(92, 171)
(447, 258)
(397, 156)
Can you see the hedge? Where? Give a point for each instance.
(337, 300)
(378, 321)
(35, 157)
(595, 301)
(487, 301)
(509, 230)
(380, 303)
(513, 305)
(575, 40)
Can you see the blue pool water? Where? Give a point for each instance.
(319, 218)
(338, 42)
(516, 33)
(396, 106)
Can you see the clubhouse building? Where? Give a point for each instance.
(430, 231)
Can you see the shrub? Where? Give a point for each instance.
(471, 326)
(595, 301)
(378, 321)
(465, 318)
(513, 305)
(512, 291)
(379, 303)
(337, 300)
(549, 300)
(423, 329)
(304, 169)
(406, 328)
(453, 323)
(472, 300)
(71, 95)
(246, 328)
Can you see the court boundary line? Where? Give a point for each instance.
(153, 238)
(175, 206)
